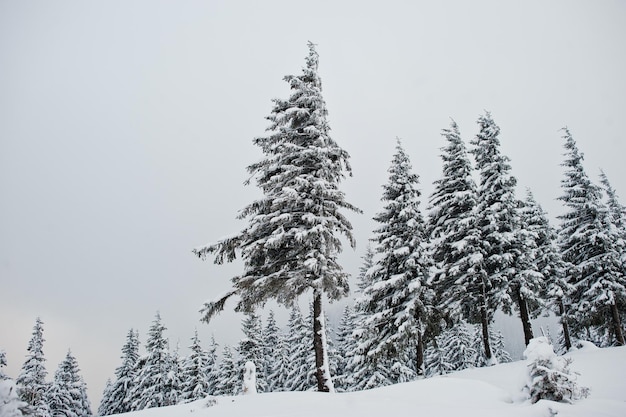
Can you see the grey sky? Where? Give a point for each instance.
(126, 127)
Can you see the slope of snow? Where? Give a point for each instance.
(484, 392)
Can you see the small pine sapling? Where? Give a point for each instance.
(549, 376)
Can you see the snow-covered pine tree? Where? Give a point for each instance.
(212, 366)
(550, 264)
(616, 209)
(346, 347)
(499, 224)
(397, 301)
(527, 282)
(151, 387)
(497, 344)
(31, 382)
(457, 347)
(67, 396)
(549, 376)
(3, 363)
(105, 401)
(116, 399)
(293, 238)
(10, 404)
(274, 355)
(298, 352)
(250, 348)
(590, 241)
(459, 278)
(194, 373)
(228, 379)
(368, 262)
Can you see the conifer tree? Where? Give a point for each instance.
(251, 349)
(212, 366)
(397, 301)
(458, 348)
(346, 348)
(298, 355)
(152, 388)
(67, 396)
(368, 262)
(105, 402)
(227, 375)
(195, 373)
(503, 247)
(31, 382)
(550, 264)
(116, 399)
(274, 355)
(10, 404)
(459, 278)
(590, 241)
(293, 238)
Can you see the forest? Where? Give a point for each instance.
(436, 273)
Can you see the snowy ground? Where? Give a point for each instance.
(494, 391)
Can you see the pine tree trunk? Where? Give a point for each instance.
(485, 326)
(419, 362)
(523, 313)
(617, 325)
(322, 369)
(566, 337)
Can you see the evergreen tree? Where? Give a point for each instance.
(173, 380)
(31, 382)
(590, 242)
(550, 264)
(397, 302)
(549, 376)
(459, 278)
(212, 366)
(298, 352)
(293, 238)
(502, 245)
(105, 401)
(527, 282)
(3, 363)
(368, 262)
(151, 387)
(67, 396)
(116, 398)
(346, 348)
(195, 373)
(458, 348)
(274, 355)
(497, 342)
(251, 349)
(227, 375)
(616, 209)
(10, 404)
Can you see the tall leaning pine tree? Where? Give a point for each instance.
(397, 302)
(292, 241)
(590, 241)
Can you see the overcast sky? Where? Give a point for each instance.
(126, 127)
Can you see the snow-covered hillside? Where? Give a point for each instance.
(484, 392)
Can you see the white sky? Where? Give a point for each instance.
(126, 127)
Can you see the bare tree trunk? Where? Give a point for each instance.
(523, 313)
(566, 337)
(322, 369)
(617, 325)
